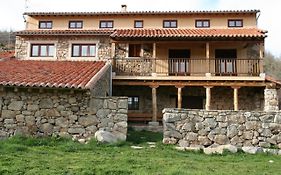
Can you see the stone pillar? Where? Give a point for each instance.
(270, 99)
(208, 97)
(179, 96)
(235, 98)
(154, 106)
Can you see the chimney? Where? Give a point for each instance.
(123, 8)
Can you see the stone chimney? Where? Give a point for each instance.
(123, 8)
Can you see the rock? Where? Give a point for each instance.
(248, 135)
(122, 124)
(47, 128)
(120, 136)
(9, 121)
(174, 134)
(103, 113)
(191, 136)
(76, 130)
(3, 134)
(171, 118)
(270, 151)
(183, 143)
(204, 140)
(89, 120)
(210, 122)
(83, 141)
(92, 129)
(277, 118)
(180, 148)
(8, 114)
(137, 147)
(266, 133)
(20, 118)
(121, 117)
(52, 113)
(211, 151)
(15, 105)
(111, 105)
(169, 141)
(32, 107)
(264, 144)
(193, 148)
(29, 120)
(122, 103)
(72, 100)
(221, 139)
(230, 148)
(105, 137)
(252, 125)
(46, 103)
(188, 127)
(61, 122)
(251, 150)
(232, 131)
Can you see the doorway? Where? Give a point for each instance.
(225, 61)
(179, 62)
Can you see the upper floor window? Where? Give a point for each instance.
(170, 24)
(202, 23)
(42, 50)
(75, 24)
(45, 24)
(133, 103)
(106, 24)
(138, 24)
(83, 50)
(235, 23)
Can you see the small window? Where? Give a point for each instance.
(75, 24)
(202, 23)
(106, 24)
(83, 50)
(134, 50)
(45, 24)
(170, 24)
(133, 103)
(235, 23)
(138, 24)
(42, 50)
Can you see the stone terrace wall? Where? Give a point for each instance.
(211, 128)
(62, 113)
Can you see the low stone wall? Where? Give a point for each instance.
(61, 112)
(212, 128)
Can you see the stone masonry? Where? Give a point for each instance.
(189, 128)
(61, 112)
(270, 100)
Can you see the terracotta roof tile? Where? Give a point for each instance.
(190, 12)
(65, 32)
(188, 33)
(52, 74)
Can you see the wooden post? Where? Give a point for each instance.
(154, 103)
(154, 58)
(235, 98)
(208, 97)
(208, 56)
(261, 56)
(179, 96)
(113, 54)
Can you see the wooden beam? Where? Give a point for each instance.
(154, 103)
(208, 97)
(261, 54)
(235, 98)
(179, 96)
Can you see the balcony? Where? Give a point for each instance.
(188, 67)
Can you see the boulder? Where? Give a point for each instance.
(252, 150)
(106, 137)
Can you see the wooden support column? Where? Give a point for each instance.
(113, 53)
(179, 96)
(208, 57)
(154, 58)
(208, 97)
(154, 103)
(261, 53)
(235, 98)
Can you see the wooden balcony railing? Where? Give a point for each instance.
(188, 66)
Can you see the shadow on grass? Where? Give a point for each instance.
(139, 137)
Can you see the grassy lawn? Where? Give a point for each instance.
(60, 156)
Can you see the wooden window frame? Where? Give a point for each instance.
(40, 22)
(106, 21)
(39, 50)
(80, 50)
(135, 26)
(135, 104)
(75, 22)
(170, 21)
(136, 54)
(202, 22)
(235, 22)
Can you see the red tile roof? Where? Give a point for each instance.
(188, 33)
(7, 54)
(52, 74)
(65, 32)
(190, 12)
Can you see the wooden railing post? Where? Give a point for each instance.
(261, 56)
(154, 60)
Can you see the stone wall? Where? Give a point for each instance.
(61, 112)
(63, 45)
(271, 99)
(212, 128)
(102, 87)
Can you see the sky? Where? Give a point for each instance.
(11, 11)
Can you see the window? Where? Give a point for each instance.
(106, 24)
(42, 50)
(235, 23)
(75, 24)
(45, 24)
(133, 103)
(83, 50)
(202, 23)
(170, 24)
(138, 24)
(134, 50)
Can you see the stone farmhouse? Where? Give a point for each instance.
(209, 60)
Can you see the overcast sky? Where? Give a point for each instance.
(11, 11)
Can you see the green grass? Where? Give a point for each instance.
(21, 155)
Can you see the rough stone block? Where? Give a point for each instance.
(8, 114)
(88, 120)
(46, 103)
(15, 105)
